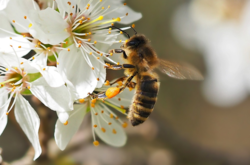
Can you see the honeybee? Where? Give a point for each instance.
(140, 62)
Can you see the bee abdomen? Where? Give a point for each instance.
(144, 101)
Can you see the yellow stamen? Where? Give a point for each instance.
(30, 25)
(93, 101)
(114, 131)
(81, 100)
(124, 125)
(103, 130)
(66, 123)
(96, 143)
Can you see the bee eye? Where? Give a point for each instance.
(132, 43)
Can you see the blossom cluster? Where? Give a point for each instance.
(73, 37)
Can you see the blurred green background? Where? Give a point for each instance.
(184, 128)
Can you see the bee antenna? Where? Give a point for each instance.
(122, 31)
(133, 29)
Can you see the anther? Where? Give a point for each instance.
(81, 100)
(102, 111)
(90, 33)
(57, 63)
(109, 32)
(28, 87)
(111, 115)
(13, 21)
(90, 53)
(120, 41)
(44, 69)
(2, 85)
(66, 123)
(112, 24)
(108, 6)
(88, 19)
(118, 19)
(118, 63)
(80, 22)
(71, 14)
(24, 36)
(96, 143)
(19, 47)
(88, 4)
(121, 32)
(95, 42)
(133, 25)
(111, 54)
(107, 83)
(21, 63)
(98, 58)
(79, 42)
(102, 8)
(89, 39)
(33, 58)
(93, 68)
(11, 38)
(122, 107)
(125, 4)
(124, 125)
(15, 68)
(95, 126)
(96, 113)
(109, 123)
(114, 131)
(7, 113)
(126, 14)
(119, 99)
(69, 2)
(100, 17)
(103, 130)
(92, 105)
(68, 49)
(30, 25)
(100, 0)
(101, 54)
(116, 117)
(25, 17)
(98, 79)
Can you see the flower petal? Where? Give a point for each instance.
(73, 66)
(16, 10)
(3, 123)
(29, 121)
(63, 133)
(49, 26)
(3, 4)
(58, 99)
(123, 99)
(114, 134)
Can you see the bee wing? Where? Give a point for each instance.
(179, 71)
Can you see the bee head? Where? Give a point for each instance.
(135, 42)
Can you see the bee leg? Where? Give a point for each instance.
(119, 51)
(119, 79)
(131, 86)
(119, 67)
(128, 81)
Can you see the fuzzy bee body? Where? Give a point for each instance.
(144, 99)
(140, 62)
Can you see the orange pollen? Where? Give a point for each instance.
(11, 46)
(33, 58)
(95, 42)
(122, 107)
(2, 85)
(28, 87)
(21, 63)
(112, 24)
(83, 17)
(39, 43)
(69, 2)
(126, 14)
(24, 36)
(90, 33)
(96, 113)
(96, 143)
(118, 63)
(98, 58)
(19, 47)
(11, 38)
(79, 42)
(66, 42)
(120, 41)
(103, 130)
(116, 117)
(13, 21)
(133, 25)
(98, 79)
(95, 126)
(119, 99)
(66, 123)
(121, 32)
(92, 105)
(89, 40)
(109, 32)
(110, 123)
(57, 63)
(7, 113)
(90, 53)
(111, 115)
(125, 4)
(102, 8)
(79, 45)
(73, 7)
(114, 131)
(112, 92)
(110, 28)
(48, 48)
(68, 49)
(101, 54)
(81, 100)
(25, 17)
(102, 111)
(93, 68)
(124, 125)
(120, 83)
(88, 19)
(44, 69)
(93, 101)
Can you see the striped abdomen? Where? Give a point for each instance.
(144, 99)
